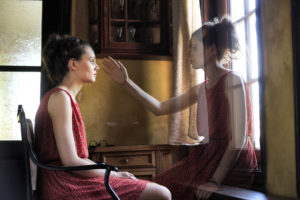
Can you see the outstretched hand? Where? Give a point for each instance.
(115, 69)
(205, 190)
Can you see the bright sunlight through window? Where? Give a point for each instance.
(245, 24)
(20, 48)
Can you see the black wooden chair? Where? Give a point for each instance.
(29, 153)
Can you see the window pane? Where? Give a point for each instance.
(239, 65)
(254, 93)
(237, 9)
(252, 48)
(17, 88)
(20, 38)
(251, 5)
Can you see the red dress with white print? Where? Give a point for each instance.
(199, 166)
(67, 185)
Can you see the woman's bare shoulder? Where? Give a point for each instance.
(58, 100)
(234, 80)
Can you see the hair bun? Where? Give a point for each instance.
(57, 52)
(226, 23)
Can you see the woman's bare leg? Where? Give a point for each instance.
(155, 191)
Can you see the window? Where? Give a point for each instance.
(20, 62)
(243, 15)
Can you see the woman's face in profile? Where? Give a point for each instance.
(197, 53)
(87, 66)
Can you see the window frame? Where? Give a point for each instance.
(246, 20)
(16, 68)
(260, 177)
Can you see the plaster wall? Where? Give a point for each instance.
(279, 97)
(111, 114)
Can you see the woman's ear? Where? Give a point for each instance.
(72, 64)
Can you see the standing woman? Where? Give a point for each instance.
(60, 133)
(223, 116)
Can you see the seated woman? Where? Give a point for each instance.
(223, 117)
(60, 132)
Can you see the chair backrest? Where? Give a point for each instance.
(25, 132)
(29, 154)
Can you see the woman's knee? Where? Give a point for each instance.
(155, 191)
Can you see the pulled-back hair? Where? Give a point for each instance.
(57, 52)
(220, 33)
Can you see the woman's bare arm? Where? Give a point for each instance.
(116, 70)
(60, 111)
(237, 104)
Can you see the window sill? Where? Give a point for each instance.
(235, 193)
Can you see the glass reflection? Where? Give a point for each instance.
(223, 152)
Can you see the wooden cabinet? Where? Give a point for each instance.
(144, 161)
(130, 27)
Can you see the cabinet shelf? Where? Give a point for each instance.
(117, 20)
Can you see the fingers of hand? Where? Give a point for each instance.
(204, 191)
(115, 62)
(131, 176)
(110, 63)
(203, 194)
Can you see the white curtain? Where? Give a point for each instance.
(186, 18)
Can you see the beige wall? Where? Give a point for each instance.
(279, 97)
(111, 114)
(108, 111)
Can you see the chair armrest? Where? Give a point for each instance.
(108, 169)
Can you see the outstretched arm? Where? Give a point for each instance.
(116, 70)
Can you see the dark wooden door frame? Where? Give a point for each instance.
(295, 6)
(56, 19)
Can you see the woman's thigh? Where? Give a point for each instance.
(155, 191)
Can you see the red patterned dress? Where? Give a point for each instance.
(183, 178)
(59, 185)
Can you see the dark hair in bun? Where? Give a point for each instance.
(220, 33)
(58, 50)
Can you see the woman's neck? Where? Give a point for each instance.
(71, 86)
(213, 72)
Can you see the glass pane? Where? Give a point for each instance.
(135, 9)
(252, 47)
(254, 95)
(144, 10)
(239, 64)
(117, 9)
(17, 88)
(251, 4)
(118, 32)
(153, 8)
(237, 9)
(134, 32)
(20, 38)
